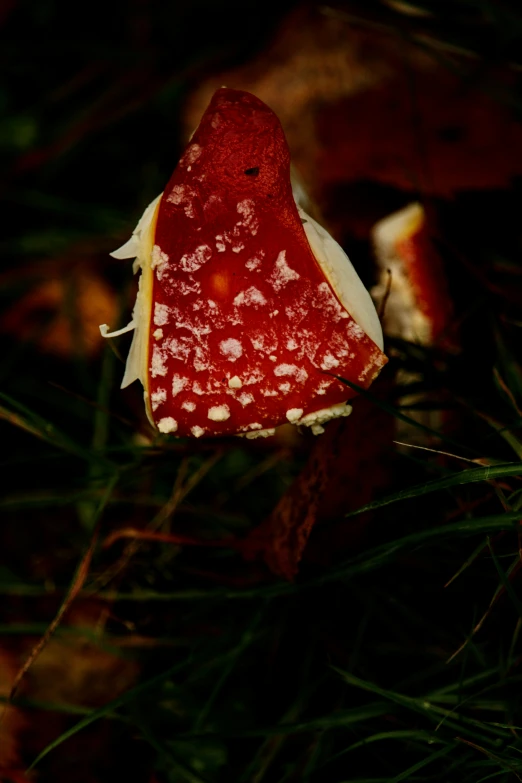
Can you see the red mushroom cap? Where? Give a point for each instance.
(418, 305)
(245, 328)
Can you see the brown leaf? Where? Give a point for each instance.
(63, 313)
(360, 104)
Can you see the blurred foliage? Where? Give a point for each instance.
(395, 655)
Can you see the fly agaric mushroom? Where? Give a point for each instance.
(418, 306)
(246, 306)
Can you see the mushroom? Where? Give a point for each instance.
(417, 305)
(247, 308)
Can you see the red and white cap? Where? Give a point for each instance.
(246, 305)
(412, 280)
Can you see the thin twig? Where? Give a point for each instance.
(437, 451)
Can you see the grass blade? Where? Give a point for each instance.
(457, 479)
(423, 763)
